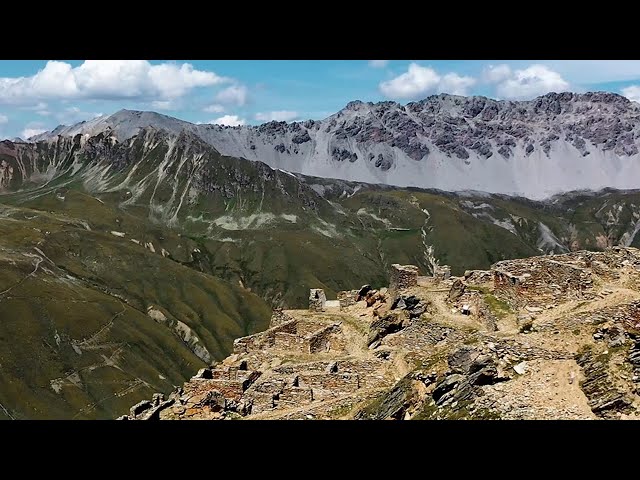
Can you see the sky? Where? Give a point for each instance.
(36, 96)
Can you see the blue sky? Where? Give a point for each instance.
(39, 95)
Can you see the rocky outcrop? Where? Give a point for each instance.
(382, 326)
(456, 291)
(400, 401)
(605, 399)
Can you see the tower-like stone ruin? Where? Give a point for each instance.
(402, 277)
(317, 299)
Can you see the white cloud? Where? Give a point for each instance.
(215, 108)
(278, 116)
(106, 79)
(234, 95)
(496, 73)
(230, 120)
(378, 63)
(632, 92)
(30, 132)
(420, 81)
(530, 82)
(163, 105)
(455, 84)
(3, 119)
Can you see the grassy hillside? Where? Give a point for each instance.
(76, 338)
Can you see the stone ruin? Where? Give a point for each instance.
(317, 300)
(540, 281)
(545, 280)
(348, 298)
(442, 272)
(402, 277)
(302, 336)
(478, 277)
(471, 302)
(278, 317)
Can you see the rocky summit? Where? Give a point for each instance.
(537, 148)
(550, 337)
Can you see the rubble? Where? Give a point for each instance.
(411, 352)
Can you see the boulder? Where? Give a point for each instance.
(364, 290)
(457, 290)
(446, 386)
(383, 326)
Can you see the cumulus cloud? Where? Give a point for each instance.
(278, 116)
(30, 132)
(378, 63)
(215, 108)
(233, 95)
(632, 92)
(530, 82)
(455, 84)
(420, 81)
(496, 73)
(31, 129)
(230, 120)
(106, 79)
(3, 119)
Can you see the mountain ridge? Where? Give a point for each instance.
(554, 143)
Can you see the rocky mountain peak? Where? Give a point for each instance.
(556, 142)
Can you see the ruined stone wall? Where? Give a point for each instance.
(291, 341)
(278, 317)
(330, 384)
(294, 396)
(364, 369)
(230, 389)
(347, 298)
(264, 339)
(401, 278)
(317, 299)
(263, 394)
(540, 281)
(327, 339)
(299, 367)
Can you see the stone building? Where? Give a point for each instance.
(402, 277)
(317, 299)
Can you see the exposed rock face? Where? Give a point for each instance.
(400, 400)
(457, 290)
(556, 142)
(605, 399)
(385, 325)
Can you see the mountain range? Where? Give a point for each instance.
(551, 144)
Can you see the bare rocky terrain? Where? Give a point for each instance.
(554, 143)
(550, 337)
